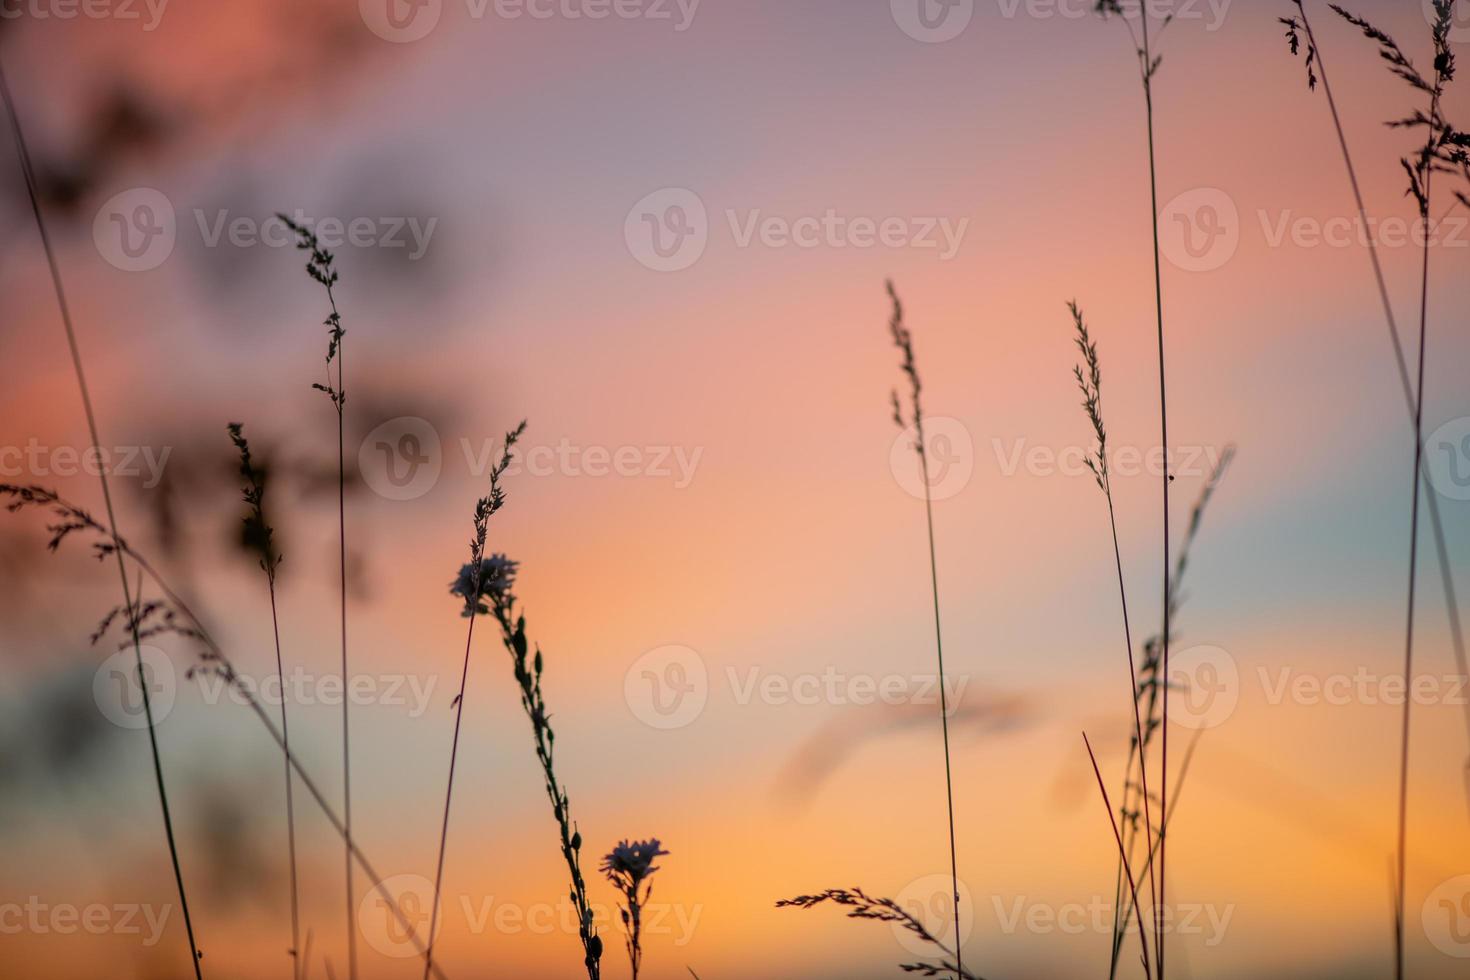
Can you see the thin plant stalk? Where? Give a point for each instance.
(1173, 803)
(342, 603)
(319, 267)
(1122, 852)
(1421, 179)
(73, 518)
(1403, 837)
(1153, 188)
(1089, 382)
(1149, 686)
(1148, 66)
(1317, 71)
(528, 674)
(258, 535)
(92, 431)
(485, 508)
(904, 341)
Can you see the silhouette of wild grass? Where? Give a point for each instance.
(116, 549)
(172, 615)
(1148, 67)
(258, 536)
(1089, 383)
(528, 674)
(903, 339)
(860, 905)
(1297, 27)
(475, 580)
(1442, 152)
(319, 266)
(629, 867)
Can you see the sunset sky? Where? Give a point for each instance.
(662, 237)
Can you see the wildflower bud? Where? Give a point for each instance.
(577, 841)
(594, 947)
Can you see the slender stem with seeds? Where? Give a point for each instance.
(259, 537)
(319, 266)
(903, 340)
(485, 508)
(34, 496)
(128, 600)
(1090, 384)
(1153, 184)
(1446, 571)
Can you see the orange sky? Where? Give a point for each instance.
(760, 523)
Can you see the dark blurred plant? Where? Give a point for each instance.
(1443, 151)
(258, 536)
(1299, 34)
(172, 615)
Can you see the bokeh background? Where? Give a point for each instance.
(527, 145)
